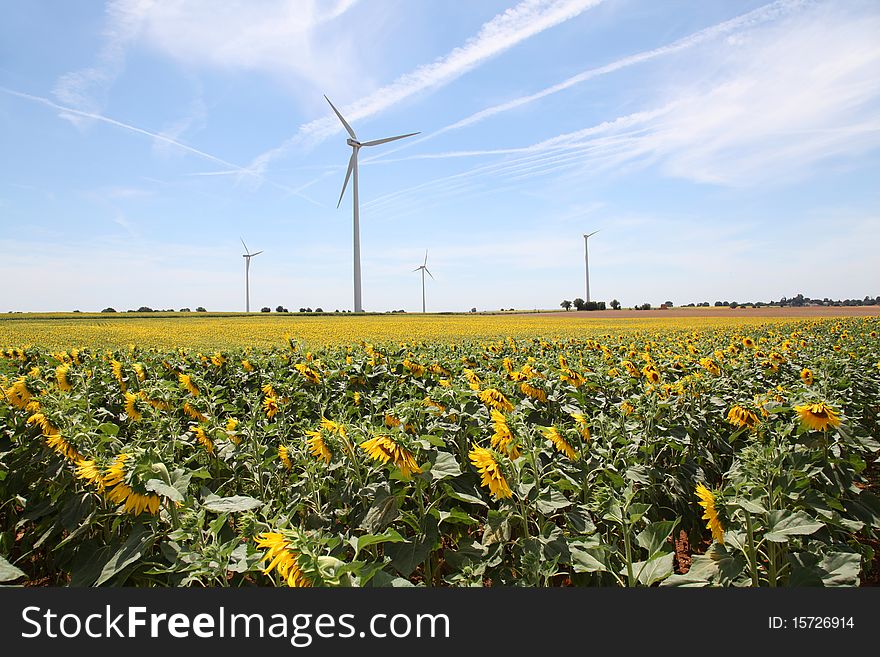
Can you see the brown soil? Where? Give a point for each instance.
(807, 311)
(682, 553)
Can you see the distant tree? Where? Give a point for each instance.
(145, 309)
(733, 304)
(718, 304)
(185, 310)
(566, 304)
(265, 309)
(645, 306)
(474, 309)
(591, 305)
(77, 311)
(600, 305)
(615, 304)
(579, 304)
(201, 309)
(668, 304)
(319, 310)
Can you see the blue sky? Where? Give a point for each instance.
(725, 150)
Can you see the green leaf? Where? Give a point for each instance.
(832, 570)
(160, 487)
(784, 524)
(382, 513)
(750, 507)
(583, 561)
(463, 497)
(653, 537)
(551, 501)
(8, 572)
(230, 504)
(139, 541)
(444, 466)
(389, 536)
(108, 429)
(654, 570)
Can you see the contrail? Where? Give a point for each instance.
(153, 135)
(760, 15)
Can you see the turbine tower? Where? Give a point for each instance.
(587, 261)
(353, 172)
(247, 255)
(424, 268)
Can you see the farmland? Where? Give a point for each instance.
(440, 451)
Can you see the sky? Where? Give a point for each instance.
(724, 150)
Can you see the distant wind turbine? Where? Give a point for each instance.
(247, 255)
(424, 268)
(353, 168)
(587, 261)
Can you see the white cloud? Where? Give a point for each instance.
(528, 18)
(86, 89)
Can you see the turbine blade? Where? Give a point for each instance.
(347, 176)
(593, 233)
(429, 273)
(376, 142)
(244, 245)
(344, 122)
(256, 254)
(417, 268)
(426, 257)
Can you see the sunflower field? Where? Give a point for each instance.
(730, 454)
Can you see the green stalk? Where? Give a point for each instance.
(752, 552)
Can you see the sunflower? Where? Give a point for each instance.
(118, 491)
(333, 427)
(202, 437)
(627, 408)
(707, 501)
(631, 368)
(710, 365)
(553, 435)
(742, 417)
(310, 375)
(651, 374)
(117, 372)
(492, 477)
(503, 439)
(187, 383)
(246, 364)
(583, 426)
(318, 447)
(90, 472)
(473, 380)
(270, 406)
(284, 457)
(818, 416)
(532, 391)
(807, 376)
(61, 377)
(194, 413)
(415, 368)
(440, 408)
(748, 342)
(282, 558)
(495, 400)
(384, 449)
(130, 409)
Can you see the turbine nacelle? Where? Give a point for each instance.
(353, 143)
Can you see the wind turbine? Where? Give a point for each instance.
(587, 261)
(353, 168)
(247, 255)
(424, 268)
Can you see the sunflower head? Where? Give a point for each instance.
(818, 416)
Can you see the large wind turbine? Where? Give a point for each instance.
(587, 261)
(247, 255)
(424, 268)
(353, 168)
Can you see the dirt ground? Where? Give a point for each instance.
(807, 311)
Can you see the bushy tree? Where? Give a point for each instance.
(566, 304)
(579, 304)
(615, 304)
(265, 309)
